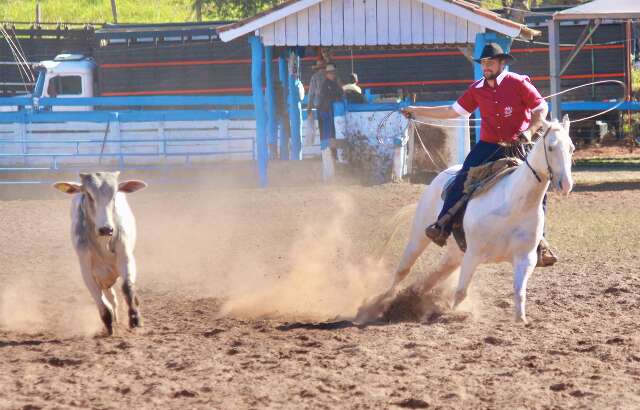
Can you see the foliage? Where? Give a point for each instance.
(527, 4)
(635, 80)
(162, 11)
(233, 9)
(98, 11)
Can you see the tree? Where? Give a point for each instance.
(232, 9)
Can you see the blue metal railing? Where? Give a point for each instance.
(33, 145)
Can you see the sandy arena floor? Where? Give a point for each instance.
(231, 282)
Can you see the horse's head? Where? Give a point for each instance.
(558, 152)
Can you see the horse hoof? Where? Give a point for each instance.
(522, 319)
(458, 299)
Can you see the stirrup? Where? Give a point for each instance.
(546, 257)
(437, 234)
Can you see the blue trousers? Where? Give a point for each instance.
(482, 153)
(327, 128)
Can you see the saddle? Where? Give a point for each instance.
(479, 180)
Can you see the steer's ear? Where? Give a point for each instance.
(68, 187)
(132, 185)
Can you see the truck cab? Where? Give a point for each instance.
(66, 76)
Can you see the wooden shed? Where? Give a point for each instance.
(356, 23)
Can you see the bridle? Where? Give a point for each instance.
(546, 157)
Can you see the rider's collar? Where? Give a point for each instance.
(499, 79)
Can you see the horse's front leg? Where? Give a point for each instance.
(522, 268)
(469, 264)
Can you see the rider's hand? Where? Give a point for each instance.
(525, 136)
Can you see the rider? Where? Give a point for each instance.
(512, 110)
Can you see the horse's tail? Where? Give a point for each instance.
(393, 225)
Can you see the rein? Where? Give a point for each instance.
(546, 157)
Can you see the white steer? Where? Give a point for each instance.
(103, 231)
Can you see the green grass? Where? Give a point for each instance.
(98, 11)
(608, 162)
(635, 79)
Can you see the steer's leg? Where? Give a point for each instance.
(469, 264)
(127, 268)
(522, 269)
(106, 312)
(110, 294)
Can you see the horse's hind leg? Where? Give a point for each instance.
(374, 307)
(469, 264)
(449, 262)
(412, 252)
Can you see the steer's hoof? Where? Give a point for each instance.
(135, 320)
(107, 319)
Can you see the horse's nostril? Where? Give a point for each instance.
(105, 231)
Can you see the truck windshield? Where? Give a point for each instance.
(65, 85)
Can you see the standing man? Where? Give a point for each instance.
(314, 87)
(330, 92)
(512, 110)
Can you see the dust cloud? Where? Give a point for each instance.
(270, 253)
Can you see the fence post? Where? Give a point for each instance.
(117, 133)
(257, 55)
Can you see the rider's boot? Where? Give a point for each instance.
(546, 257)
(438, 233)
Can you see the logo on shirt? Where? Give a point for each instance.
(508, 111)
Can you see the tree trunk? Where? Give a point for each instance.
(114, 11)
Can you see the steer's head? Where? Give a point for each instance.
(99, 190)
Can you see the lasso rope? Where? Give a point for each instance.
(413, 121)
(624, 89)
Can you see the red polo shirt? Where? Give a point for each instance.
(505, 109)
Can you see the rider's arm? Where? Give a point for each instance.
(538, 106)
(538, 116)
(465, 105)
(440, 112)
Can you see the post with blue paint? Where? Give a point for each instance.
(284, 122)
(481, 40)
(258, 102)
(295, 107)
(272, 124)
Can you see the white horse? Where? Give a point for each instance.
(503, 224)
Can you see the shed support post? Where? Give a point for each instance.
(272, 125)
(257, 55)
(554, 67)
(284, 117)
(295, 107)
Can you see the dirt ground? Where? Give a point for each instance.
(235, 286)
